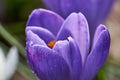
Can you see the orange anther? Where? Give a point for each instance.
(51, 43)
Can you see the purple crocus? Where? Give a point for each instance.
(95, 11)
(58, 49)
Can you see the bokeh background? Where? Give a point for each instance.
(13, 17)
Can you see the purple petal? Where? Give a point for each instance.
(100, 28)
(34, 39)
(75, 58)
(70, 52)
(46, 19)
(98, 55)
(76, 26)
(96, 11)
(53, 5)
(65, 7)
(100, 10)
(46, 64)
(44, 34)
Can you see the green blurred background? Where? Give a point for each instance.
(13, 17)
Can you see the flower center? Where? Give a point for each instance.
(51, 43)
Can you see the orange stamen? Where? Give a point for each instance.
(51, 43)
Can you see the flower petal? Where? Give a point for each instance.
(76, 26)
(65, 7)
(102, 9)
(99, 13)
(2, 56)
(34, 39)
(47, 64)
(69, 6)
(96, 11)
(44, 34)
(46, 19)
(98, 55)
(2, 65)
(70, 52)
(99, 29)
(53, 5)
(11, 63)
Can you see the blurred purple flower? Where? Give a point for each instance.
(58, 49)
(95, 11)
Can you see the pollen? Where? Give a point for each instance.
(51, 43)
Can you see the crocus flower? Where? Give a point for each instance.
(58, 49)
(95, 11)
(8, 64)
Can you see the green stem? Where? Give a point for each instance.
(26, 72)
(8, 37)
